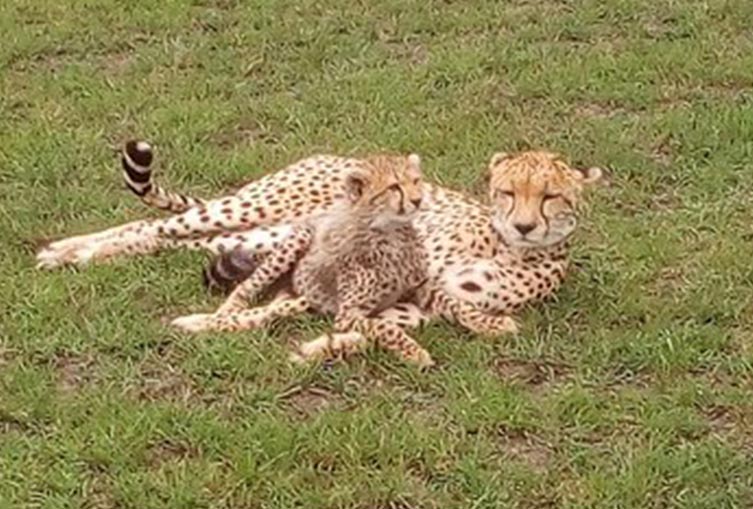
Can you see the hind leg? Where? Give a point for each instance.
(223, 215)
(134, 238)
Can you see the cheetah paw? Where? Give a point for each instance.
(509, 326)
(193, 323)
(499, 326)
(328, 346)
(297, 358)
(421, 358)
(65, 252)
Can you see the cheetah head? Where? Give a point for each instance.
(535, 197)
(390, 188)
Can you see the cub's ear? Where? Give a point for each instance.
(591, 175)
(355, 183)
(414, 160)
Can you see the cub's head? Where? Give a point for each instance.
(535, 197)
(387, 186)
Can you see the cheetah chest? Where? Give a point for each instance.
(369, 268)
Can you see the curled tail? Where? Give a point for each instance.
(137, 158)
(226, 270)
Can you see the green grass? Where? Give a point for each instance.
(633, 389)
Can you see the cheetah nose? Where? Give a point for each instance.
(416, 203)
(524, 228)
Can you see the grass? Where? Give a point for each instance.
(631, 390)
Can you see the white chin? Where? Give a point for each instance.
(547, 241)
(520, 242)
(394, 220)
(513, 239)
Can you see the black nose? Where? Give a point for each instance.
(524, 228)
(416, 203)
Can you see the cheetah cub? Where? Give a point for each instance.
(351, 262)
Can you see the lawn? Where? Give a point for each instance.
(632, 389)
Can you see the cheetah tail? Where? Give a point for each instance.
(137, 158)
(226, 270)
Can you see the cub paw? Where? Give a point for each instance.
(328, 347)
(504, 325)
(512, 325)
(421, 358)
(494, 326)
(297, 358)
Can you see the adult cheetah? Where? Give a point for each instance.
(495, 258)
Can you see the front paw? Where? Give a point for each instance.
(329, 347)
(420, 358)
(509, 326)
(315, 350)
(194, 323)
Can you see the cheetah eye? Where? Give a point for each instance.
(551, 196)
(394, 187)
(505, 192)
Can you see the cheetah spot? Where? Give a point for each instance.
(470, 286)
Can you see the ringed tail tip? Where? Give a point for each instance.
(139, 152)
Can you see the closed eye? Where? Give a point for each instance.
(505, 192)
(552, 196)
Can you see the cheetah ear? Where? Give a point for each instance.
(414, 160)
(498, 158)
(591, 175)
(354, 186)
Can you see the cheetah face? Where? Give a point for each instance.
(535, 196)
(391, 190)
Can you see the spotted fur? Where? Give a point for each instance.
(535, 198)
(351, 262)
(475, 253)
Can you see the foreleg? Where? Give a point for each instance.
(354, 331)
(253, 318)
(503, 286)
(470, 316)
